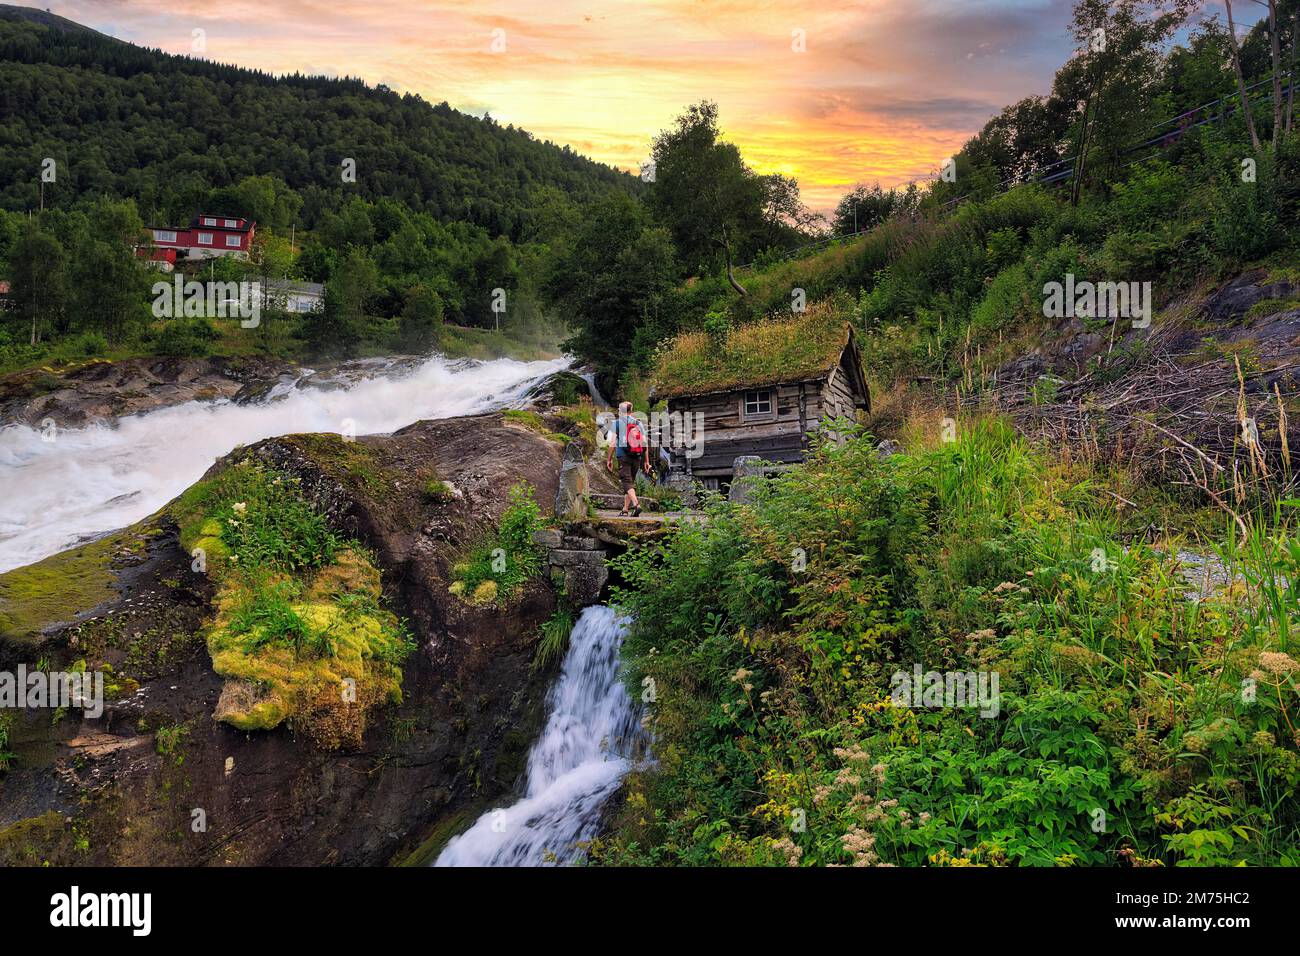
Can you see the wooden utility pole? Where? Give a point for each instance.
(1241, 79)
(1275, 48)
(1290, 94)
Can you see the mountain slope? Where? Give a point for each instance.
(122, 120)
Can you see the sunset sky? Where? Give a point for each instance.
(884, 90)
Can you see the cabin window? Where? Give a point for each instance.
(230, 224)
(162, 235)
(209, 222)
(758, 404)
(232, 241)
(205, 238)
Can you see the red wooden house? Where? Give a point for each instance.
(207, 236)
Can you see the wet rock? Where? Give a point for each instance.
(98, 389)
(471, 699)
(571, 495)
(585, 577)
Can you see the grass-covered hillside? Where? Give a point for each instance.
(1144, 711)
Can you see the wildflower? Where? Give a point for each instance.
(854, 754)
(788, 849)
(861, 844)
(847, 778)
(1276, 662)
(740, 675)
(239, 507)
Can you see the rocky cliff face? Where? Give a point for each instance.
(156, 780)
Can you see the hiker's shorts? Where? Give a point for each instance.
(628, 466)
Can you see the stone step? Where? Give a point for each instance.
(564, 559)
(553, 539)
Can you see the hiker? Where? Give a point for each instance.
(630, 446)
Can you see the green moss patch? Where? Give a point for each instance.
(352, 462)
(760, 353)
(49, 839)
(300, 633)
(320, 655)
(59, 588)
(534, 422)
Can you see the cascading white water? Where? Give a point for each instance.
(89, 481)
(591, 735)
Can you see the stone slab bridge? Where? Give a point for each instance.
(590, 530)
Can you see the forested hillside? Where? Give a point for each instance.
(429, 228)
(165, 130)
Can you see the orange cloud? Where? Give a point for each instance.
(831, 92)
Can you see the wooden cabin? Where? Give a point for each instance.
(764, 391)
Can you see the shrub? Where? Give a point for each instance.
(1121, 732)
(191, 338)
(1244, 215)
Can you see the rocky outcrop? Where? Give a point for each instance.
(156, 779)
(99, 389)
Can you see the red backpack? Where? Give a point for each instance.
(635, 440)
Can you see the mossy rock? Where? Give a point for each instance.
(49, 839)
(59, 588)
(270, 681)
(352, 462)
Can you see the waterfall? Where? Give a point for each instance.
(69, 486)
(591, 735)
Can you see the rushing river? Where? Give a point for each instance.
(86, 482)
(591, 735)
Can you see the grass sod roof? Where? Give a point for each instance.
(795, 349)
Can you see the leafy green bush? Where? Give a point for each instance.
(191, 338)
(1010, 300)
(1122, 733)
(273, 526)
(1245, 215)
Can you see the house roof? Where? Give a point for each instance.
(771, 352)
(296, 287)
(240, 225)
